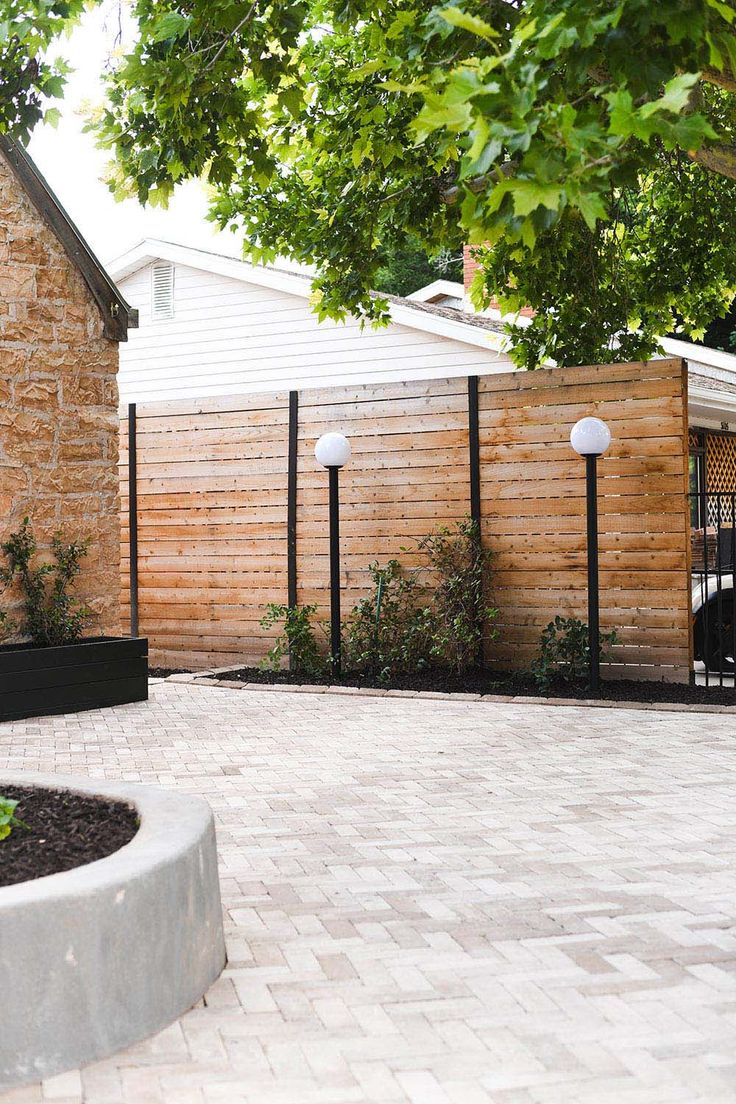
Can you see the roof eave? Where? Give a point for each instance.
(117, 314)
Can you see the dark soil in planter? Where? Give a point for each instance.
(65, 830)
(30, 646)
(500, 682)
(164, 672)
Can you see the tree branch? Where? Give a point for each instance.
(248, 15)
(724, 80)
(450, 193)
(717, 159)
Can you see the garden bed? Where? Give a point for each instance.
(64, 830)
(87, 674)
(483, 681)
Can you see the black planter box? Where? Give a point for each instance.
(106, 670)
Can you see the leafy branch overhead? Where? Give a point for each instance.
(591, 142)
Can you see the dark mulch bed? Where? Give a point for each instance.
(500, 682)
(65, 830)
(164, 672)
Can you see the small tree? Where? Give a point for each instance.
(564, 653)
(463, 610)
(391, 631)
(52, 616)
(297, 639)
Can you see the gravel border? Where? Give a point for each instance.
(207, 678)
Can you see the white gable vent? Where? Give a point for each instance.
(162, 291)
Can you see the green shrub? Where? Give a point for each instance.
(297, 639)
(403, 626)
(564, 653)
(462, 607)
(391, 631)
(8, 819)
(52, 616)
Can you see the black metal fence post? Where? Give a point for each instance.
(291, 568)
(335, 629)
(474, 449)
(474, 467)
(133, 516)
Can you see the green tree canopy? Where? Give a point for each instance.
(27, 80)
(587, 147)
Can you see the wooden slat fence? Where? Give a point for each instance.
(211, 525)
(212, 506)
(533, 508)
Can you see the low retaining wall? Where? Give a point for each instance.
(99, 957)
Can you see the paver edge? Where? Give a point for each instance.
(204, 678)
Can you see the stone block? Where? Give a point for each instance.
(40, 394)
(17, 282)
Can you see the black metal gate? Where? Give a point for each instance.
(712, 516)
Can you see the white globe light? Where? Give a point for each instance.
(332, 450)
(590, 437)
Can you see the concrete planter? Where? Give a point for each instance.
(102, 956)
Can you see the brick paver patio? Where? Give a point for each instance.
(435, 902)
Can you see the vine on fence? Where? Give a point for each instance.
(51, 614)
(434, 615)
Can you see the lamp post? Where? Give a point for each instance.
(590, 437)
(333, 452)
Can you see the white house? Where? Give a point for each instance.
(214, 325)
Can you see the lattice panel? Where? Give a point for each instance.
(720, 475)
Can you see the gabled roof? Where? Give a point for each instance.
(479, 330)
(117, 314)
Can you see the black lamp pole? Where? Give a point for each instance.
(594, 641)
(335, 630)
(590, 437)
(332, 451)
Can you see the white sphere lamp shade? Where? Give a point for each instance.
(332, 450)
(590, 437)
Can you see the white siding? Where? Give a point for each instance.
(228, 337)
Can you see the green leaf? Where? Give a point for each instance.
(728, 43)
(458, 18)
(691, 131)
(171, 25)
(624, 120)
(530, 194)
(675, 97)
(52, 116)
(723, 10)
(526, 30)
(591, 207)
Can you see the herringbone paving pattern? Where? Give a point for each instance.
(435, 902)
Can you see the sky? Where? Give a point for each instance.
(73, 165)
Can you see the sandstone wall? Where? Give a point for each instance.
(58, 402)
